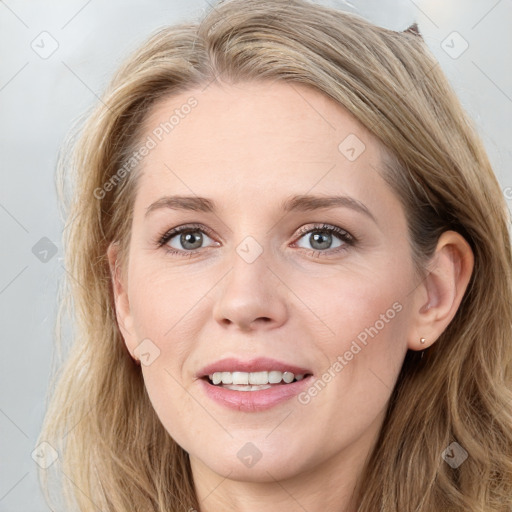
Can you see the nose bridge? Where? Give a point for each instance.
(250, 293)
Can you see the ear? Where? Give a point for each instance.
(122, 304)
(437, 298)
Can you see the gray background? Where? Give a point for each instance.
(41, 96)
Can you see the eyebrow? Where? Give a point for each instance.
(294, 203)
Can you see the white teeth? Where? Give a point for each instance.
(258, 378)
(288, 377)
(255, 379)
(240, 378)
(275, 377)
(227, 378)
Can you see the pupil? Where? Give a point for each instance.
(187, 238)
(324, 239)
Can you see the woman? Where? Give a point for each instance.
(290, 267)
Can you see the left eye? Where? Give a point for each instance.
(321, 239)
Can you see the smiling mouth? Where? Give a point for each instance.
(253, 381)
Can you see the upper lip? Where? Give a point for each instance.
(259, 364)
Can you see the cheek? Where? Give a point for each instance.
(165, 309)
(363, 347)
(177, 409)
(364, 304)
(362, 334)
(163, 303)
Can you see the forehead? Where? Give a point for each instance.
(256, 140)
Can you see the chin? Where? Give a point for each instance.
(261, 472)
(255, 460)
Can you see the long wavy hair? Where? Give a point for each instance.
(114, 453)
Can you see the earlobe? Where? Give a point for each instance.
(122, 305)
(438, 297)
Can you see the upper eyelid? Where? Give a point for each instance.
(325, 226)
(171, 233)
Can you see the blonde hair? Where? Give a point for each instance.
(115, 454)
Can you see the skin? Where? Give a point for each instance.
(248, 147)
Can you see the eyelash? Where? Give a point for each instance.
(348, 239)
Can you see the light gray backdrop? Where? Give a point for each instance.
(56, 58)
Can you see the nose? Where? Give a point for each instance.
(250, 297)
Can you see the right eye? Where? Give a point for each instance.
(190, 239)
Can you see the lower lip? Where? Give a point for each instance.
(254, 401)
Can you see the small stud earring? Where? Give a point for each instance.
(422, 340)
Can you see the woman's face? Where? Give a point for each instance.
(296, 261)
